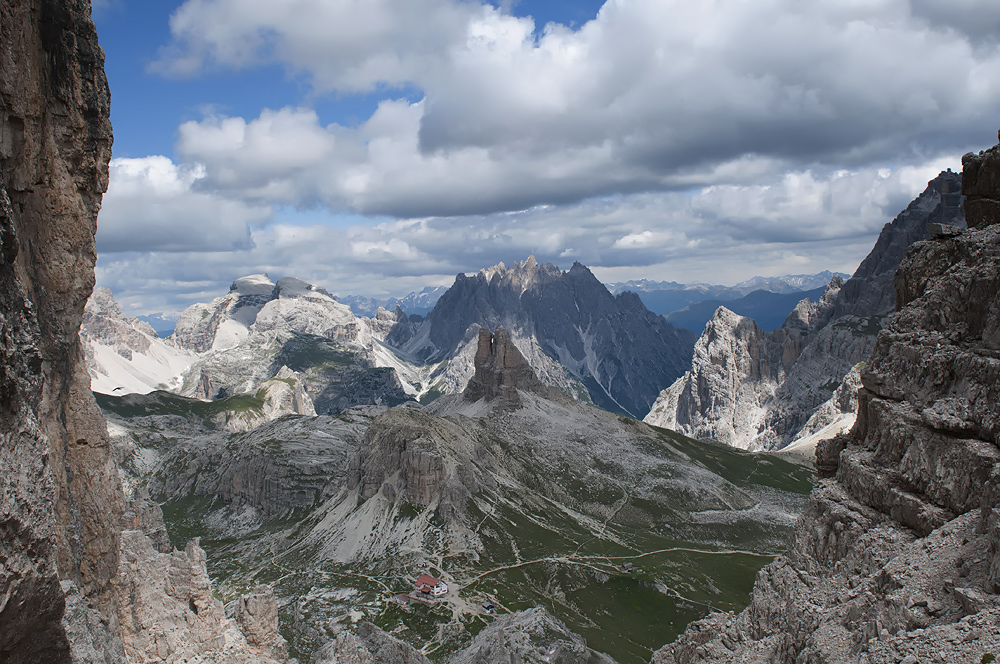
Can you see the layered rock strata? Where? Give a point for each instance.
(897, 557)
(72, 583)
(757, 390)
(61, 499)
(501, 370)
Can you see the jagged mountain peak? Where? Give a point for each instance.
(569, 326)
(784, 377)
(520, 275)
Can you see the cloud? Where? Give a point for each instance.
(151, 205)
(651, 95)
(799, 222)
(663, 139)
(349, 46)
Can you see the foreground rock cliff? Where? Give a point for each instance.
(898, 556)
(61, 498)
(80, 579)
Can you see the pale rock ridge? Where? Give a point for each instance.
(250, 334)
(226, 321)
(284, 394)
(524, 637)
(168, 614)
(394, 328)
(368, 645)
(896, 558)
(776, 382)
(125, 355)
(529, 637)
(257, 615)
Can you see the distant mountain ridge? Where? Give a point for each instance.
(416, 303)
(758, 390)
(768, 309)
(578, 337)
(568, 325)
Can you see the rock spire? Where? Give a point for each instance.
(500, 369)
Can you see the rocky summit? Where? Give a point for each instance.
(574, 333)
(762, 390)
(897, 557)
(500, 371)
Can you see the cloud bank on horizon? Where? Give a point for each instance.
(692, 141)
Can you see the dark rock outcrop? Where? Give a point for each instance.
(897, 557)
(981, 187)
(501, 370)
(623, 353)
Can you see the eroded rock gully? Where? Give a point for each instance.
(897, 558)
(66, 562)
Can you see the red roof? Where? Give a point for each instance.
(427, 580)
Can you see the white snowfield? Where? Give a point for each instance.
(124, 355)
(158, 368)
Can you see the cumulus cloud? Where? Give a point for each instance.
(663, 139)
(352, 45)
(152, 205)
(720, 234)
(651, 95)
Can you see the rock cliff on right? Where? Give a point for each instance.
(897, 558)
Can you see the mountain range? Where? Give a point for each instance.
(517, 495)
(761, 390)
(606, 349)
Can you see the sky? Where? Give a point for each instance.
(375, 147)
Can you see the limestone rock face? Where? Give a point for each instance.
(896, 558)
(529, 637)
(168, 614)
(198, 328)
(61, 499)
(409, 455)
(525, 637)
(501, 370)
(125, 355)
(759, 391)
(257, 616)
(369, 645)
(393, 327)
(569, 327)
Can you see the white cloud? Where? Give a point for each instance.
(799, 222)
(348, 45)
(663, 139)
(651, 95)
(152, 205)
